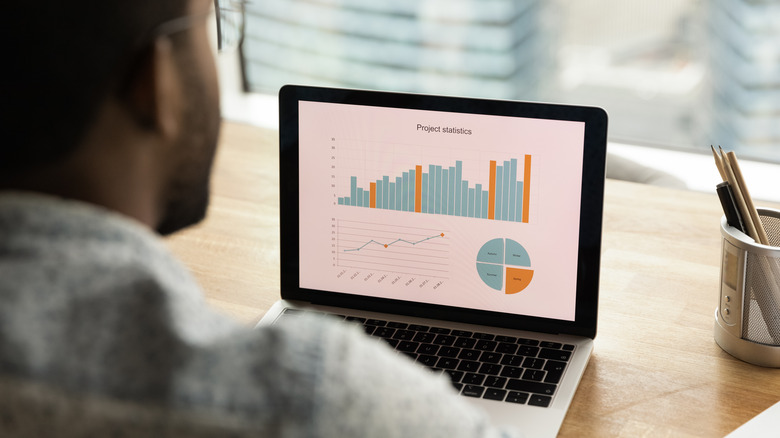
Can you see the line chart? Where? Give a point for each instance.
(399, 240)
(393, 249)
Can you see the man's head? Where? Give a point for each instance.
(112, 102)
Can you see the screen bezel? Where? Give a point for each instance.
(591, 208)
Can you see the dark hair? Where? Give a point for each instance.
(61, 60)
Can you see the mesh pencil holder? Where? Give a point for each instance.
(747, 320)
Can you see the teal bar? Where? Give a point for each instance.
(391, 196)
(460, 209)
(424, 194)
(464, 199)
(410, 194)
(341, 201)
(437, 193)
(366, 198)
(360, 202)
(385, 187)
(405, 193)
(452, 188)
(379, 193)
(471, 203)
(485, 205)
(352, 190)
(505, 193)
(513, 190)
(445, 190)
(519, 213)
(499, 181)
(399, 193)
(478, 201)
(431, 188)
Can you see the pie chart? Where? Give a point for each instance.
(504, 265)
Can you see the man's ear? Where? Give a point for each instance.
(153, 92)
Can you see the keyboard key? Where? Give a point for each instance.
(427, 360)
(447, 363)
(567, 347)
(533, 387)
(554, 345)
(384, 332)
(483, 336)
(526, 350)
(524, 341)
(468, 365)
(473, 379)
(494, 394)
(404, 335)
(535, 375)
(495, 382)
(548, 353)
(455, 376)
(418, 327)
(369, 329)
(469, 354)
(539, 400)
(429, 349)
(506, 348)
(554, 371)
(510, 360)
(473, 391)
(513, 372)
(489, 369)
(490, 357)
(449, 351)
(440, 330)
(407, 346)
(484, 345)
(465, 342)
(510, 339)
(517, 397)
(531, 362)
(444, 340)
(376, 322)
(424, 337)
(461, 333)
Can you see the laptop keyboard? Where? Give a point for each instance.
(482, 365)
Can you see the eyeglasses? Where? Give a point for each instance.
(230, 24)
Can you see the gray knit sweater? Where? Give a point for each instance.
(103, 333)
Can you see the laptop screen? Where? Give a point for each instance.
(462, 209)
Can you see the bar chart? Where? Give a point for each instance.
(442, 190)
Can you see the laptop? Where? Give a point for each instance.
(464, 232)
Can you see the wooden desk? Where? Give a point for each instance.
(656, 370)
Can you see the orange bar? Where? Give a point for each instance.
(526, 187)
(492, 191)
(417, 188)
(373, 195)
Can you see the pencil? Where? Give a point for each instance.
(747, 218)
(760, 232)
(719, 163)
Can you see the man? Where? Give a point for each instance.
(111, 117)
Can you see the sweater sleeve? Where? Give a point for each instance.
(367, 389)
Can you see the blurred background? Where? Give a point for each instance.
(675, 76)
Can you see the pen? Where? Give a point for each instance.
(729, 204)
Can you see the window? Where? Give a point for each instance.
(680, 74)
